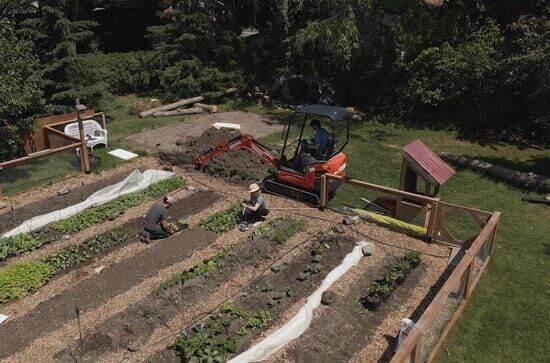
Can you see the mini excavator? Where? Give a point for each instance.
(297, 177)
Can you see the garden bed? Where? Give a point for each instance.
(137, 322)
(11, 219)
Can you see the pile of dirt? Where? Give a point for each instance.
(241, 166)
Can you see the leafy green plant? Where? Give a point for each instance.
(88, 249)
(223, 221)
(99, 214)
(19, 279)
(128, 328)
(290, 229)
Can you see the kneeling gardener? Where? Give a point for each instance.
(256, 207)
(155, 224)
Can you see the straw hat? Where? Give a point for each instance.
(253, 188)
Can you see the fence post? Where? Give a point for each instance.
(84, 157)
(324, 192)
(417, 351)
(433, 221)
(469, 278)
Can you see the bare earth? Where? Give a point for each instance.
(164, 138)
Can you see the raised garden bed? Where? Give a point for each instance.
(25, 242)
(15, 286)
(186, 289)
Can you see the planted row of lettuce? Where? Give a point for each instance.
(25, 242)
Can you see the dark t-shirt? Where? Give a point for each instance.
(154, 216)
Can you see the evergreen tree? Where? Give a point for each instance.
(195, 48)
(20, 93)
(58, 40)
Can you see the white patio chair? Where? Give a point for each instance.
(93, 132)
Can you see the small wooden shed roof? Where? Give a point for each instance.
(427, 163)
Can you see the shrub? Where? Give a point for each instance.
(122, 73)
(18, 280)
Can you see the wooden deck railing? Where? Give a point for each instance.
(429, 333)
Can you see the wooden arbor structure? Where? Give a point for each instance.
(420, 165)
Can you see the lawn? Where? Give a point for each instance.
(508, 318)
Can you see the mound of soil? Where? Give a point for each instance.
(241, 166)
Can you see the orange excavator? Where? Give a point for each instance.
(299, 176)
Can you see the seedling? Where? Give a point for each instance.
(128, 328)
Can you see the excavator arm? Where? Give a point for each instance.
(243, 142)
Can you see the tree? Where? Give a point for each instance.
(195, 49)
(20, 93)
(58, 40)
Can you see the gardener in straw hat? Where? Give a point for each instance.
(255, 209)
(155, 224)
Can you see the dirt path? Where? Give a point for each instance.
(92, 292)
(164, 138)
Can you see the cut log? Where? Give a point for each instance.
(172, 106)
(528, 181)
(209, 108)
(179, 111)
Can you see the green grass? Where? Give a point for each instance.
(508, 318)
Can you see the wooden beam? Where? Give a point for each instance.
(61, 134)
(24, 159)
(383, 189)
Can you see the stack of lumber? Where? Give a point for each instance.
(181, 107)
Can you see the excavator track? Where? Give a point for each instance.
(273, 186)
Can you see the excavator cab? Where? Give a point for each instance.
(313, 142)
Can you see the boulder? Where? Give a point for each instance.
(328, 297)
(64, 191)
(368, 249)
(3, 205)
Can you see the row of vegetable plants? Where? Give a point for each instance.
(25, 242)
(223, 221)
(395, 274)
(20, 279)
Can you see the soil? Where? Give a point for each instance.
(165, 138)
(94, 291)
(260, 294)
(343, 328)
(78, 193)
(237, 165)
(160, 306)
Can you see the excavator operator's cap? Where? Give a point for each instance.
(253, 188)
(315, 122)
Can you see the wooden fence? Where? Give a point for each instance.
(432, 328)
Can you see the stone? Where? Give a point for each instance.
(64, 191)
(191, 188)
(132, 348)
(328, 297)
(368, 249)
(99, 269)
(66, 237)
(167, 167)
(3, 205)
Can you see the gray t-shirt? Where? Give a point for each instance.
(260, 200)
(154, 216)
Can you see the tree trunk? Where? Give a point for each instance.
(529, 181)
(209, 108)
(179, 111)
(171, 106)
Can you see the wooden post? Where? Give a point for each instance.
(435, 211)
(103, 121)
(417, 351)
(324, 191)
(469, 279)
(84, 157)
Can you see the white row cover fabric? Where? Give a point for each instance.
(133, 182)
(301, 321)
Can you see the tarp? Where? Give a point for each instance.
(301, 321)
(134, 182)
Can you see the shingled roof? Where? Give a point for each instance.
(421, 155)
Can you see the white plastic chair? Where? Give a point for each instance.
(93, 132)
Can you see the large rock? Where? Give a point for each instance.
(64, 191)
(328, 297)
(3, 205)
(368, 249)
